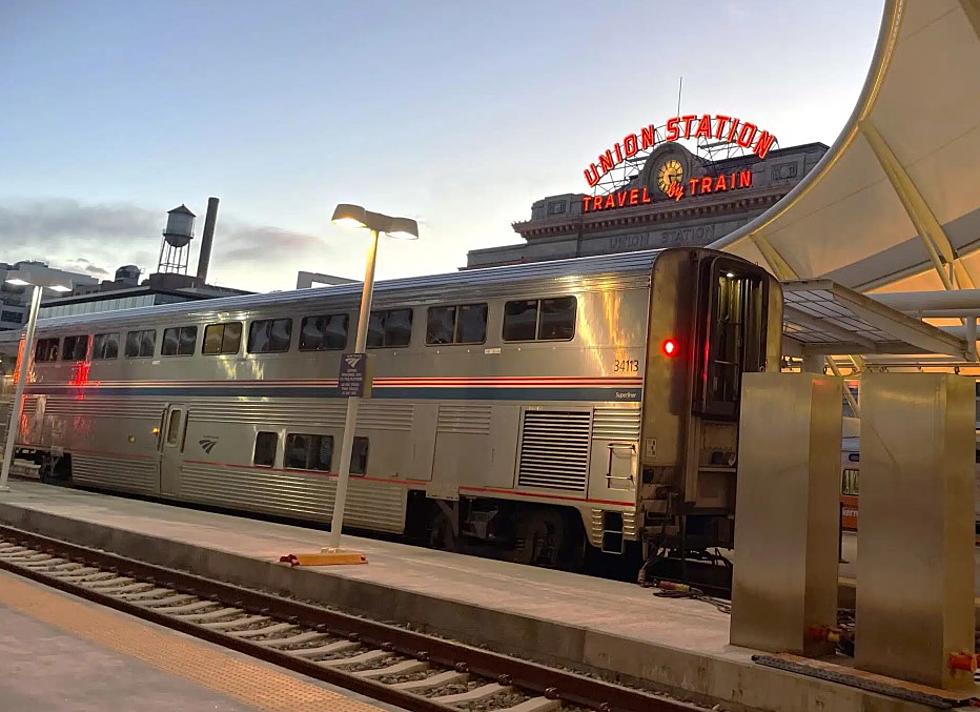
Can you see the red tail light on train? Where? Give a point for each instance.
(669, 347)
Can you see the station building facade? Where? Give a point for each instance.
(672, 197)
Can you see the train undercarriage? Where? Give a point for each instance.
(683, 549)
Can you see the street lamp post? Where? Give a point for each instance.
(376, 224)
(23, 279)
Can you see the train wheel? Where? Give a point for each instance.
(539, 535)
(57, 470)
(441, 534)
(574, 550)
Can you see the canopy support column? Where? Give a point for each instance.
(780, 267)
(936, 240)
(971, 8)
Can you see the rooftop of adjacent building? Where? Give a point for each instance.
(559, 227)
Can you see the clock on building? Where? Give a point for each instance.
(670, 172)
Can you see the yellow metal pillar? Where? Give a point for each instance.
(784, 588)
(915, 564)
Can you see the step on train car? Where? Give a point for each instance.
(547, 411)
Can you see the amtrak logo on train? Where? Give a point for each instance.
(207, 444)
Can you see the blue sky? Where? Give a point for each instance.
(460, 114)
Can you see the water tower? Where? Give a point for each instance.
(175, 248)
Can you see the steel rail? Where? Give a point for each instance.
(526, 676)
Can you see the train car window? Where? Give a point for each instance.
(440, 323)
(141, 344)
(223, 338)
(398, 327)
(75, 348)
(732, 333)
(188, 338)
(389, 328)
(46, 350)
(179, 341)
(557, 320)
(266, 444)
(327, 332)
(105, 346)
(376, 330)
(308, 452)
(173, 427)
(464, 324)
(171, 340)
(520, 320)
(269, 336)
(471, 324)
(359, 456)
(148, 343)
(542, 320)
(849, 482)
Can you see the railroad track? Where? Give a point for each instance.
(410, 670)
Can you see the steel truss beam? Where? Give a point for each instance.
(936, 241)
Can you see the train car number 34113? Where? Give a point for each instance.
(629, 365)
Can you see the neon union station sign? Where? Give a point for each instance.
(717, 127)
(702, 185)
(670, 175)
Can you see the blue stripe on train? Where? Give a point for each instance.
(453, 393)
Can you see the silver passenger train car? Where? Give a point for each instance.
(540, 409)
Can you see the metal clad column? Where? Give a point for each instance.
(915, 583)
(788, 512)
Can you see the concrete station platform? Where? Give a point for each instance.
(618, 629)
(60, 652)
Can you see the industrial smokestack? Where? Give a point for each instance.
(204, 260)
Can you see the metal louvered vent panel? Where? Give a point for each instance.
(470, 419)
(301, 412)
(386, 415)
(130, 408)
(617, 423)
(555, 450)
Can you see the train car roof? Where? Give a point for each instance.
(626, 264)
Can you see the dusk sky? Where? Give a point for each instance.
(460, 114)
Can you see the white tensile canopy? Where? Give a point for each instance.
(895, 203)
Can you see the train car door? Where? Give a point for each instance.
(172, 447)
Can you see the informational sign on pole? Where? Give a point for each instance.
(353, 380)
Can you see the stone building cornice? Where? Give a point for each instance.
(662, 211)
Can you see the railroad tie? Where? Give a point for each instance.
(268, 630)
(448, 677)
(67, 566)
(76, 575)
(27, 557)
(336, 647)
(293, 639)
(368, 657)
(535, 704)
(475, 695)
(110, 585)
(402, 668)
(122, 588)
(167, 601)
(41, 565)
(203, 618)
(227, 625)
(140, 595)
(190, 607)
